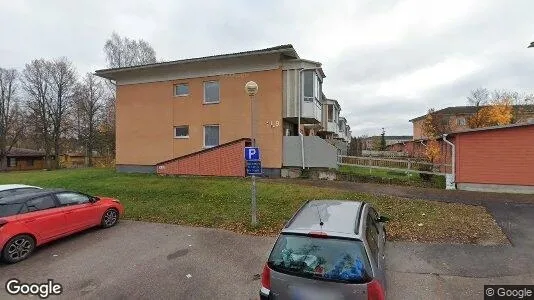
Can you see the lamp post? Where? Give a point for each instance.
(531, 45)
(251, 88)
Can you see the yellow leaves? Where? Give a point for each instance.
(432, 150)
(428, 127)
(498, 113)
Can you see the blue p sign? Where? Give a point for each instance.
(252, 153)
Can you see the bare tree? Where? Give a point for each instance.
(90, 101)
(478, 97)
(10, 114)
(49, 86)
(124, 52)
(36, 85)
(62, 82)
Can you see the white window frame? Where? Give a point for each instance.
(461, 121)
(180, 136)
(181, 95)
(204, 91)
(12, 162)
(204, 135)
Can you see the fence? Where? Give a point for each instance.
(403, 165)
(367, 153)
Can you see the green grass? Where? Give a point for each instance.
(225, 203)
(355, 173)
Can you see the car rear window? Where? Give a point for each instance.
(9, 209)
(330, 259)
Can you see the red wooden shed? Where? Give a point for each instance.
(498, 159)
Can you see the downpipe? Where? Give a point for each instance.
(453, 159)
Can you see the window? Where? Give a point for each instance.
(325, 258)
(308, 79)
(211, 136)
(371, 234)
(41, 203)
(17, 192)
(30, 162)
(181, 89)
(211, 92)
(181, 132)
(12, 162)
(66, 199)
(461, 121)
(330, 111)
(10, 209)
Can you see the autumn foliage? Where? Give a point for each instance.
(432, 150)
(431, 130)
(499, 112)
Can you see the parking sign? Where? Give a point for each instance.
(252, 153)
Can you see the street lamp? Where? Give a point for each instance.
(251, 88)
(531, 45)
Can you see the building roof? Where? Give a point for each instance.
(287, 50)
(468, 110)
(21, 152)
(339, 217)
(494, 127)
(333, 101)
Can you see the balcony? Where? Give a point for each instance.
(302, 93)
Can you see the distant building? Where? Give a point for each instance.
(455, 118)
(19, 159)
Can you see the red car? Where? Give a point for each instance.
(30, 220)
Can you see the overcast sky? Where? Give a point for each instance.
(386, 61)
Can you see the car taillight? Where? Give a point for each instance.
(266, 278)
(318, 234)
(3, 222)
(375, 290)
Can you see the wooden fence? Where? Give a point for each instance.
(403, 165)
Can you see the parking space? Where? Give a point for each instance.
(139, 260)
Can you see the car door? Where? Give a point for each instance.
(381, 236)
(80, 213)
(376, 246)
(44, 218)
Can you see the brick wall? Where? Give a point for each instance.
(223, 160)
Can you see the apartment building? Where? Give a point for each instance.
(455, 118)
(168, 112)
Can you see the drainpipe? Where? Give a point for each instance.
(453, 154)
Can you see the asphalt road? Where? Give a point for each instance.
(138, 260)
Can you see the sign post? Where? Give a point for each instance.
(252, 155)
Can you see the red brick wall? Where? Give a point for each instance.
(224, 160)
(502, 156)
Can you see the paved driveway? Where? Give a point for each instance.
(138, 260)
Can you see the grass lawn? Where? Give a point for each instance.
(390, 176)
(225, 203)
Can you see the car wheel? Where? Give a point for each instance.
(18, 248)
(110, 218)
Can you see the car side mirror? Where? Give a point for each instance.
(93, 199)
(382, 219)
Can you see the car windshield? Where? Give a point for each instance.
(9, 209)
(322, 258)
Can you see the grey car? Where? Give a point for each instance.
(330, 249)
